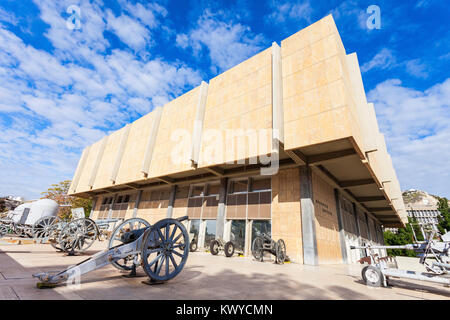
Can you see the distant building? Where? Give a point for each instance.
(425, 214)
(421, 206)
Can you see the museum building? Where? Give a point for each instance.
(283, 143)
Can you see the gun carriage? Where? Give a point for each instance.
(30, 220)
(162, 251)
(379, 270)
(219, 244)
(264, 243)
(79, 234)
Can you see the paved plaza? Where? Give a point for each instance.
(205, 277)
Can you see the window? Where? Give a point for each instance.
(239, 186)
(261, 184)
(195, 227)
(197, 191)
(213, 189)
(261, 226)
(210, 233)
(182, 192)
(237, 235)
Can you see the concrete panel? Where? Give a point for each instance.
(97, 162)
(133, 155)
(327, 226)
(238, 99)
(83, 183)
(362, 108)
(119, 156)
(106, 164)
(198, 123)
(79, 170)
(173, 145)
(316, 83)
(286, 212)
(151, 142)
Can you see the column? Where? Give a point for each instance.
(136, 203)
(94, 203)
(310, 255)
(341, 226)
(220, 222)
(173, 191)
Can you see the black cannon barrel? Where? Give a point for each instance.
(133, 235)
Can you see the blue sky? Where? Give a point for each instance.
(63, 89)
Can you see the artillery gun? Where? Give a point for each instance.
(162, 250)
(264, 243)
(30, 220)
(219, 244)
(379, 270)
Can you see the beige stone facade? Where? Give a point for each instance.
(299, 109)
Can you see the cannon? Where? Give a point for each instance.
(193, 238)
(77, 235)
(30, 220)
(162, 251)
(264, 243)
(219, 244)
(379, 269)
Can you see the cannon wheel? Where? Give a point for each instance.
(78, 235)
(214, 247)
(372, 276)
(193, 246)
(115, 240)
(257, 248)
(165, 249)
(42, 227)
(281, 251)
(54, 232)
(3, 230)
(229, 249)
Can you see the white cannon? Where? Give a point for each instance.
(379, 270)
(162, 250)
(30, 219)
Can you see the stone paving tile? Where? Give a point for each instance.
(205, 277)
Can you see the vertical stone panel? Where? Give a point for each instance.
(286, 212)
(327, 229)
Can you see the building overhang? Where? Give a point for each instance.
(341, 162)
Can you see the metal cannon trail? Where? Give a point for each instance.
(162, 250)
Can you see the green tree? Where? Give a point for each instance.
(402, 237)
(58, 192)
(443, 207)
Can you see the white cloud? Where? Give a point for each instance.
(130, 31)
(416, 68)
(8, 17)
(351, 14)
(283, 11)
(147, 14)
(384, 59)
(54, 104)
(227, 43)
(417, 129)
